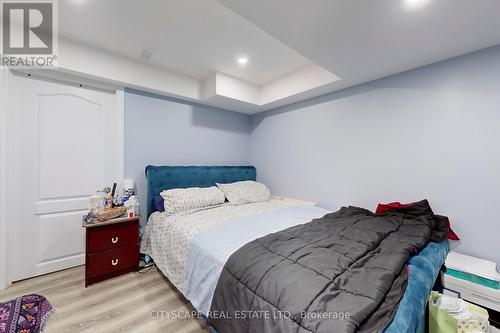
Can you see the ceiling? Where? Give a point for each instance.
(296, 49)
(364, 40)
(189, 37)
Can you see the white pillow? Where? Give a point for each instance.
(243, 192)
(182, 199)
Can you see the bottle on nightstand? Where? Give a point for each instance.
(132, 205)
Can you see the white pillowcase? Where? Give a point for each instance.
(183, 199)
(243, 192)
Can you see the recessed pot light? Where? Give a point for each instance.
(414, 4)
(242, 60)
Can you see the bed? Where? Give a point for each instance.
(191, 249)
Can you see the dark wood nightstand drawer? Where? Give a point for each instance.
(112, 249)
(112, 236)
(113, 260)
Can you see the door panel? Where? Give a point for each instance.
(67, 241)
(75, 131)
(65, 146)
(62, 205)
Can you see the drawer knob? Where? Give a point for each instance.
(114, 240)
(114, 262)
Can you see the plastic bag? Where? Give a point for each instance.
(453, 315)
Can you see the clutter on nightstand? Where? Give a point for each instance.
(128, 189)
(111, 213)
(132, 206)
(474, 280)
(107, 204)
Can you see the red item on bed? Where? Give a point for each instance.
(383, 208)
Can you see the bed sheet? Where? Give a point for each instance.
(167, 239)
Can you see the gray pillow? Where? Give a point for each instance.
(183, 199)
(243, 192)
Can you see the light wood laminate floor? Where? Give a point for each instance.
(134, 302)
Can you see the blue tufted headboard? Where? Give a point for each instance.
(161, 178)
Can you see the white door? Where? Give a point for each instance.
(65, 147)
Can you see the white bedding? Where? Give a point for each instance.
(167, 238)
(192, 248)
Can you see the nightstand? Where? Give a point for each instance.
(112, 249)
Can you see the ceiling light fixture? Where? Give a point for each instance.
(415, 4)
(242, 60)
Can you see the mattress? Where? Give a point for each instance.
(192, 248)
(169, 239)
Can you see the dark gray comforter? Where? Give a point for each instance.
(344, 272)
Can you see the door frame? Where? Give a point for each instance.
(5, 180)
(6, 152)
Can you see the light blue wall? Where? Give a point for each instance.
(161, 131)
(429, 133)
